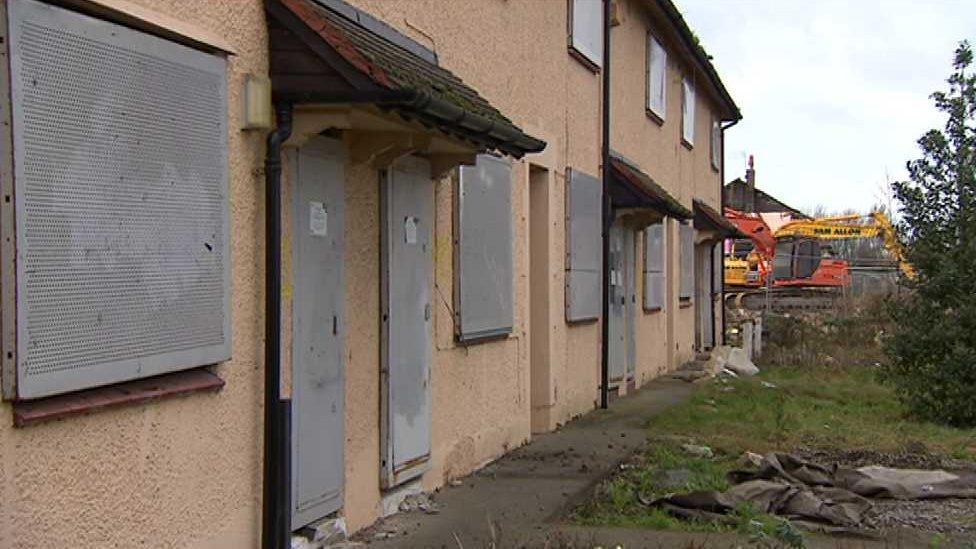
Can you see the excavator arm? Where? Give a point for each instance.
(840, 227)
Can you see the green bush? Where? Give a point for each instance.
(932, 344)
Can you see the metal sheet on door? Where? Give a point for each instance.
(621, 302)
(706, 322)
(408, 197)
(318, 389)
(630, 311)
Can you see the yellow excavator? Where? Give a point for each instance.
(845, 227)
(792, 253)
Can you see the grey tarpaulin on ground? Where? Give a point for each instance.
(811, 493)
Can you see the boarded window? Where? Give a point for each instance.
(584, 248)
(483, 284)
(686, 235)
(120, 154)
(657, 70)
(687, 112)
(654, 267)
(586, 30)
(716, 141)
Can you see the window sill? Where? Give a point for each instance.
(684, 302)
(687, 145)
(655, 117)
(472, 340)
(130, 393)
(653, 310)
(584, 60)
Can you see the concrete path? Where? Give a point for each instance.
(522, 499)
(519, 499)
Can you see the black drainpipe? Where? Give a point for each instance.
(275, 527)
(607, 216)
(721, 188)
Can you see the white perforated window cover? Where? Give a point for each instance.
(657, 70)
(716, 141)
(686, 284)
(654, 267)
(688, 111)
(484, 249)
(587, 29)
(120, 158)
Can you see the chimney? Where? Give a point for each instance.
(750, 201)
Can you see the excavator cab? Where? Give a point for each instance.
(804, 261)
(796, 258)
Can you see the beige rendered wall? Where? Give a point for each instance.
(182, 472)
(656, 146)
(515, 54)
(187, 471)
(651, 329)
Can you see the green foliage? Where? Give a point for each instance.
(933, 343)
(618, 502)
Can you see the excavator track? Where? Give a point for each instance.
(783, 299)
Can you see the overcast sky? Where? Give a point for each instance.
(834, 94)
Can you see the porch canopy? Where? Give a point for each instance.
(636, 198)
(347, 70)
(711, 225)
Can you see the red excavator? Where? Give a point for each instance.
(794, 258)
(796, 254)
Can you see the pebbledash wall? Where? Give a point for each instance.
(187, 471)
(516, 55)
(481, 402)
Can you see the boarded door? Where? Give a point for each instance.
(630, 295)
(317, 378)
(408, 198)
(622, 299)
(703, 302)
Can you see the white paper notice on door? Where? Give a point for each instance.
(318, 219)
(410, 229)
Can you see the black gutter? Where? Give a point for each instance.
(607, 217)
(721, 183)
(500, 134)
(276, 508)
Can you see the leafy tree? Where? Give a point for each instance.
(932, 345)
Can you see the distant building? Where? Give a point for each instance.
(743, 195)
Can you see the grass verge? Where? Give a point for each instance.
(819, 394)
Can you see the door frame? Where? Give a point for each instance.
(332, 148)
(628, 278)
(390, 477)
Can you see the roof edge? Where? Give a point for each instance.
(505, 137)
(718, 221)
(666, 202)
(700, 55)
(410, 102)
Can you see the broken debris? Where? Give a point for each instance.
(724, 360)
(816, 496)
(698, 451)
